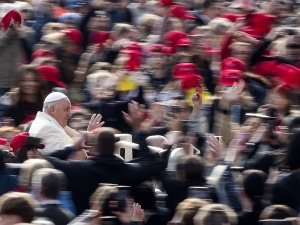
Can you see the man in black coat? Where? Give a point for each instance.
(84, 176)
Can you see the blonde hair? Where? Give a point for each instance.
(9, 129)
(28, 168)
(97, 77)
(271, 211)
(100, 66)
(219, 24)
(98, 197)
(239, 44)
(145, 18)
(215, 214)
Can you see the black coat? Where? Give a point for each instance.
(84, 176)
(55, 213)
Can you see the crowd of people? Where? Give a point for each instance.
(152, 112)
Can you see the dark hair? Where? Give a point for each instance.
(21, 154)
(145, 196)
(106, 143)
(194, 169)
(254, 184)
(208, 3)
(51, 185)
(293, 153)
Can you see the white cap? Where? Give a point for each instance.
(54, 96)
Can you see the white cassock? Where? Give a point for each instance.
(54, 136)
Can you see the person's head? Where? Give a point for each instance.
(211, 8)
(29, 81)
(293, 47)
(278, 212)
(144, 195)
(179, 108)
(58, 106)
(241, 51)
(106, 140)
(100, 21)
(28, 168)
(254, 184)
(187, 209)
(80, 119)
(281, 98)
(157, 56)
(98, 197)
(17, 208)
(215, 214)
(191, 168)
(293, 153)
(47, 183)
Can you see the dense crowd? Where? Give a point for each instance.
(149, 112)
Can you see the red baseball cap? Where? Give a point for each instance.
(20, 140)
(265, 68)
(191, 81)
(288, 75)
(135, 46)
(51, 74)
(12, 15)
(229, 77)
(42, 53)
(182, 70)
(232, 63)
(166, 2)
(232, 17)
(99, 37)
(180, 12)
(158, 48)
(172, 37)
(134, 60)
(3, 141)
(184, 42)
(74, 35)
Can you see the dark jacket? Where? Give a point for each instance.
(84, 176)
(55, 213)
(7, 182)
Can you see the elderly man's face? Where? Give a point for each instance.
(61, 112)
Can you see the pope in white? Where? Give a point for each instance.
(51, 124)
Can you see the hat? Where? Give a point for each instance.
(174, 157)
(20, 140)
(265, 68)
(9, 17)
(74, 35)
(247, 5)
(55, 96)
(184, 42)
(184, 69)
(173, 36)
(289, 76)
(99, 37)
(229, 77)
(42, 53)
(134, 60)
(158, 48)
(258, 24)
(233, 17)
(180, 12)
(166, 2)
(51, 74)
(191, 81)
(231, 63)
(135, 46)
(74, 17)
(3, 141)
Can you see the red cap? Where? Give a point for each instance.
(74, 35)
(158, 48)
(231, 63)
(173, 36)
(166, 2)
(229, 77)
(180, 12)
(20, 140)
(42, 53)
(184, 42)
(289, 76)
(9, 17)
(265, 68)
(190, 81)
(3, 141)
(182, 70)
(232, 17)
(259, 24)
(134, 60)
(135, 46)
(51, 74)
(99, 37)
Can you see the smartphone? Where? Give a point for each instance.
(199, 192)
(123, 194)
(235, 114)
(109, 220)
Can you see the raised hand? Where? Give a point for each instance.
(95, 122)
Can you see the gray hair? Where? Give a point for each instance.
(48, 105)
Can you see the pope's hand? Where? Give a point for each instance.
(95, 122)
